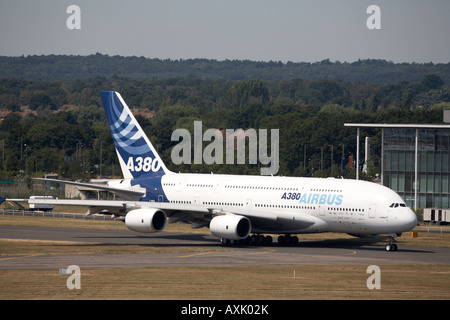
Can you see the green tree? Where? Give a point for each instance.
(244, 93)
(432, 81)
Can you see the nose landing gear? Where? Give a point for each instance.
(391, 246)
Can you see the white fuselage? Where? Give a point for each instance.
(335, 205)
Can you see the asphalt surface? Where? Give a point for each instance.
(203, 251)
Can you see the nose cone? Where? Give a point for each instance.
(408, 220)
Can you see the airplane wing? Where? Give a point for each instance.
(198, 216)
(121, 207)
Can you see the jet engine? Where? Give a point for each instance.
(146, 220)
(230, 226)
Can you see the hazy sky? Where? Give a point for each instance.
(286, 30)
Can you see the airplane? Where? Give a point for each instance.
(237, 209)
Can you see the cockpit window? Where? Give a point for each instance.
(395, 205)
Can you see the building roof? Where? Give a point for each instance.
(398, 125)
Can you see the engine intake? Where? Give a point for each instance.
(232, 227)
(146, 220)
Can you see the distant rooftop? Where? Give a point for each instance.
(398, 125)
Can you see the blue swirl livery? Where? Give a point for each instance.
(138, 158)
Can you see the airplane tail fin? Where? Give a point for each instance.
(137, 156)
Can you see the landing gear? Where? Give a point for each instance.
(391, 246)
(261, 240)
(253, 240)
(288, 240)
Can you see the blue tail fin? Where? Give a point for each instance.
(137, 156)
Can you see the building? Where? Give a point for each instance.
(415, 162)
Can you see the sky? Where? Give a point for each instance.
(258, 30)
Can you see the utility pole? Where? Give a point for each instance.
(331, 161)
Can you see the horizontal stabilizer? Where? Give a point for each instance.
(127, 194)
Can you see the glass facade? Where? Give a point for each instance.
(433, 165)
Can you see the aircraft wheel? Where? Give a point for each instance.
(391, 247)
(260, 240)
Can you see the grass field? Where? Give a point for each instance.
(310, 282)
(263, 282)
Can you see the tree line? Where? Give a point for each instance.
(141, 68)
(153, 94)
(67, 132)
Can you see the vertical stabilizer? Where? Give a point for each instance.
(137, 156)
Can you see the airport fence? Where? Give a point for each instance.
(26, 189)
(29, 213)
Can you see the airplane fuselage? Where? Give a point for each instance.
(332, 205)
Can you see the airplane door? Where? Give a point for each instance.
(248, 204)
(321, 210)
(217, 186)
(372, 210)
(180, 186)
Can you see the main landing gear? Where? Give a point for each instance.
(288, 240)
(253, 240)
(261, 240)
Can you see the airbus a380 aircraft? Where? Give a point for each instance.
(232, 206)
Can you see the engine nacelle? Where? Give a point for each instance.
(146, 220)
(230, 226)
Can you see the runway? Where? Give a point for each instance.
(206, 251)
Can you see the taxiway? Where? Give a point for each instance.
(205, 250)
